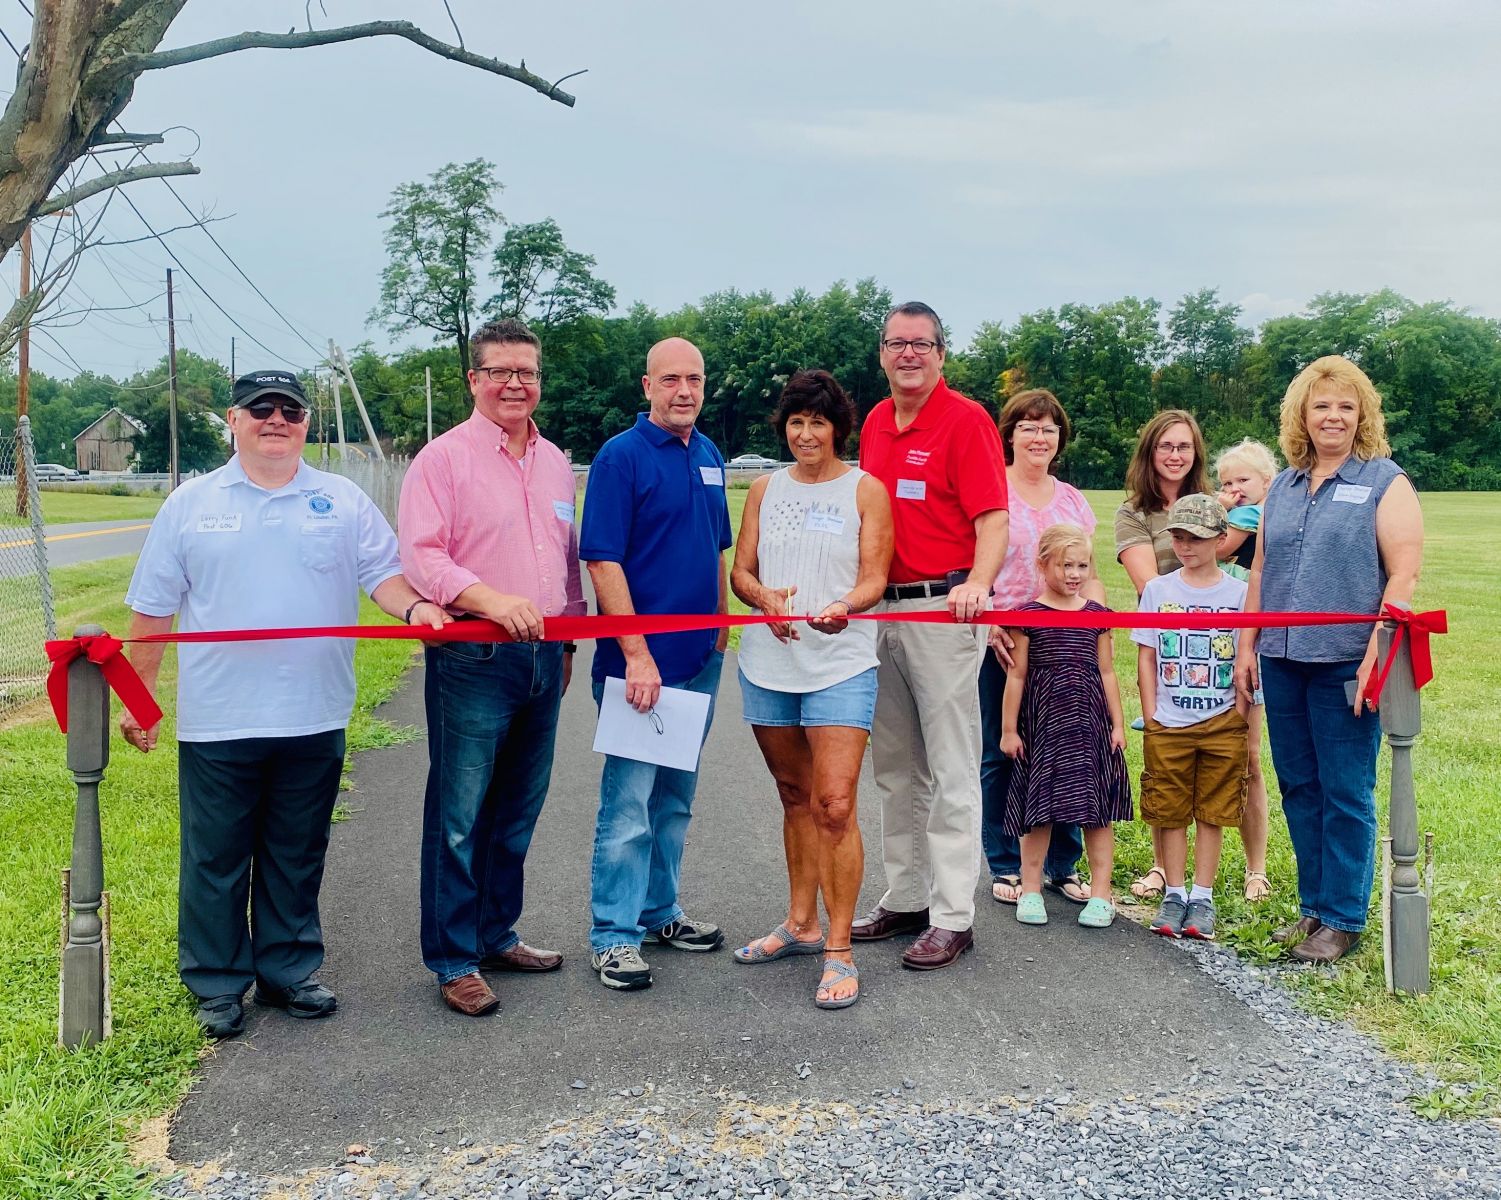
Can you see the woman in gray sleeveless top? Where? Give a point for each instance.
(815, 540)
(1341, 532)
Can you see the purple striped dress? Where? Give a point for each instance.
(1069, 773)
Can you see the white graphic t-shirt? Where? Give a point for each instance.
(1195, 667)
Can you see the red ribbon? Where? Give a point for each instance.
(1410, 625)
(104, 652)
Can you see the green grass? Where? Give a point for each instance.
(65, 1117)
(63, 508)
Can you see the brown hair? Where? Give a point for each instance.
(1031, 405)
(505, 332)
(1143, 491)
(819, 393)
(1370, 424)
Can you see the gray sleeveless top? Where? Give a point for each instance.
(809, 537)
(1320, 555)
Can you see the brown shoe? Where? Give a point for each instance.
(522, 957)
(470, 995)
(882, 923)
(1325, 945)
(937, 948)
(1297, 931)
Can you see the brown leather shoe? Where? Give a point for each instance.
(522, 957)
(1325, 945)
(883, 923)
(1297, 931)
(937, 948)
(470, 995)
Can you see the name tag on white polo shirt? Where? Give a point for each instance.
(563, 511)
(219, 523)
(1351, 493)
(824, 522)
(712, 476)
(911, 489)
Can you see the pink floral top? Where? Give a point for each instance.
(1019, 580)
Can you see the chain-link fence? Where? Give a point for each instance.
(380, 480)
(26, 616)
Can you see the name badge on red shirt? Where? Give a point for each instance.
(911, 489)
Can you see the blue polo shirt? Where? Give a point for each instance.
(656, 505)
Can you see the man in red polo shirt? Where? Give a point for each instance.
(939, 455)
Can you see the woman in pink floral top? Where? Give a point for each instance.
(1034, 431)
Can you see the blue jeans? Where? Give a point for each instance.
(644, 811)
(1002, 851)
(492, 715)
(1325, 759)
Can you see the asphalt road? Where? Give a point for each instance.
(83, 542)
(1104, 1013)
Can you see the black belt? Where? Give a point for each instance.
(926, 589)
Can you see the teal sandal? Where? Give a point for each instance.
(1097, 914)
(842, 971)
(789, 946)
(1030, 909)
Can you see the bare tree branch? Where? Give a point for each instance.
(128, 139)
(114, 179)
(457, 32)
(257, 40)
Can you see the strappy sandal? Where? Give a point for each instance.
(1258, 886)
(1014, 882)
(1145, 889)
(1061, 885)
(842, 971)
(789, 946)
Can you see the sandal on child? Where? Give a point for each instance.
(1061, 885)
(1097, 914)
(1030, 909)
(1145, 889)
(842, 971)
(1258, 886)
(788, 947)
(1014, 882)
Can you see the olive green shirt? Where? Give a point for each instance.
(1136, 528)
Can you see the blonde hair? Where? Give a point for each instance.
(1370, 424)
(1248, 452)
(1056, 539)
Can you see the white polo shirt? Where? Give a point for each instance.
(225, 553)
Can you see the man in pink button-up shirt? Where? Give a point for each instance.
(487, 529)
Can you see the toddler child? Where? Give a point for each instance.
(1061, 722)
(1196, 752)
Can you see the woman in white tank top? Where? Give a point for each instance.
(815, 541)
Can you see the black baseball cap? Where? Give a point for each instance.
(251, 386)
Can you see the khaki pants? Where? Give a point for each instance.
(925, 749)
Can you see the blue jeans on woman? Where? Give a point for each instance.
(644, 812)
(492, 716)
(1002, 851)
(1325, 759)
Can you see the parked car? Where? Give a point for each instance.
(55, 471)
(752, 462)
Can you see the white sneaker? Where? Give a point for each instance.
(622, 968)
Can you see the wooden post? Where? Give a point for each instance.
(83, 983)
(23, 374)
(1401, 721)
(174, 473)
(427, 380)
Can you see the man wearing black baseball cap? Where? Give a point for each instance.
(265, 541)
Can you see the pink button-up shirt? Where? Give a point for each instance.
(472, 513)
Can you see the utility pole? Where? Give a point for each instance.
(340, 363)
(338, 412)
(427, 375)
(173, 473)
(231, 384)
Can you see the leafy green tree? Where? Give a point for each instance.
(542, 281)
(437, 234)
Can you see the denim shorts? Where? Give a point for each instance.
(851, 702)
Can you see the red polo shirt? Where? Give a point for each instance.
(942, 471)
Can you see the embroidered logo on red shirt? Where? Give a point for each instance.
(918, 458)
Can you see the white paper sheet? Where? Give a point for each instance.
(671, 735)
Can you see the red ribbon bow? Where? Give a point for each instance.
(104, 651)
(1414, 625)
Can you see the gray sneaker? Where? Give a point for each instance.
(621, 968)
(1198, 921)
(1169, 919)
(684, 934)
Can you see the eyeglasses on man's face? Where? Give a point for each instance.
(901, 345)
(503, 375)
(292, 412)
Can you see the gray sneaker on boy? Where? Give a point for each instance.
(1198, 921)
(1169, 919)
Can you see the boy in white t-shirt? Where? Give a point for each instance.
(1196, 743)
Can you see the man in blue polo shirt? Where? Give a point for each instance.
(655, 526)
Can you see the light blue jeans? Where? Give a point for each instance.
(644, 812)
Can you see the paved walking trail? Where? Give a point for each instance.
(1058, 1008)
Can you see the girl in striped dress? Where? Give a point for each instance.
(1062, 723)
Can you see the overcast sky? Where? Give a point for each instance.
(990, 158)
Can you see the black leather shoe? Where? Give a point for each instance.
(308, 999)
(221, 1016)
(882, 923)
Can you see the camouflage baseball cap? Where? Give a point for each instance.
(1201, 515)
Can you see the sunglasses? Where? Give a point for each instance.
(261, 410)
